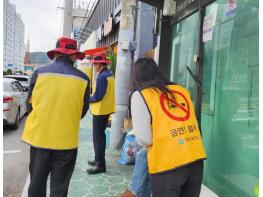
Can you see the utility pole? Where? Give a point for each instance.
(123, 70)
(68, 18)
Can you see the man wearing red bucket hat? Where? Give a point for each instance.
(58, 98)
(102, 104)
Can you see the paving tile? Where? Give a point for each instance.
(108, 184)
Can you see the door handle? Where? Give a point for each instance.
(195, 79)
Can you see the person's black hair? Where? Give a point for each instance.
(146, 74)
(103, 64)
(64, 58)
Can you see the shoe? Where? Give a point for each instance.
(92, 163)
(127, 193)
(95, 170)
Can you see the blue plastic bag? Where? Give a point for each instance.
(129, 149)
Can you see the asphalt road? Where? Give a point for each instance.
(16, 161)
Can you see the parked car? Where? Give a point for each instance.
(23, 79)
(14, 102)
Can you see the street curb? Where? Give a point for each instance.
(206, 192)
(25, 190)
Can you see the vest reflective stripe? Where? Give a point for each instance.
(175, 132)
(107, 104)
(57, 103)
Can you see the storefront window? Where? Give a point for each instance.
(230, 104)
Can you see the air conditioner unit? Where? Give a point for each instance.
(169, 7)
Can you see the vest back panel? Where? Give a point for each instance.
(176, 136)
(57, 102)
(107, 104)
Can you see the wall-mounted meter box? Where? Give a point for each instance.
(124, 44)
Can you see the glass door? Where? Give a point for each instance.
(184, 50)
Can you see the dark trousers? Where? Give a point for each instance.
(99, 138)
(59, 163)
(182, 182)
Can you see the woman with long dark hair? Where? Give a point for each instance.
(164, 121)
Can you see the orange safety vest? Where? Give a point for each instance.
(176, 139)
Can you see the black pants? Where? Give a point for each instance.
(59, 163)
(182, 182)
(99, 138)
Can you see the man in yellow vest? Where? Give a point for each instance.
(164, 121)
(58, 98)
(102, 105)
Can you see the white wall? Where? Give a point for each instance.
(90, 42)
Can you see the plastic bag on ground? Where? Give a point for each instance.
(129, 149)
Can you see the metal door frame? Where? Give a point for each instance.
(177, 18)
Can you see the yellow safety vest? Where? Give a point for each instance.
(107, 104)
(176, 139)
(55, 126)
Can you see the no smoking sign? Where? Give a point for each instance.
(180, 110)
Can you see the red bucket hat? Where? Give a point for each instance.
(100, 59)
(66, 46)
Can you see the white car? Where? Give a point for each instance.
(14, 102)
(23, 79)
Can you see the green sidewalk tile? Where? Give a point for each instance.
(108, 184)
(99, 190)
(79, 188)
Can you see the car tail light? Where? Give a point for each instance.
(8, 99)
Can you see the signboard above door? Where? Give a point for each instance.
(154, 3)
(184, 8)
(99, 33)
(108, 25)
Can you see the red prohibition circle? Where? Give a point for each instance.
(186, 109)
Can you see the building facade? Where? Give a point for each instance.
(105, 19)
(219, 42)
(13, 38)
